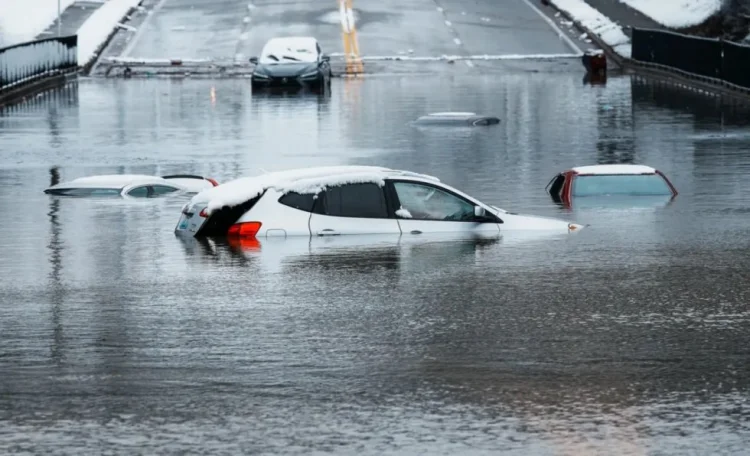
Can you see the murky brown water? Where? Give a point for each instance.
(630, 337)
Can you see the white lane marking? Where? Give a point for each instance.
(134, 39)
(457, 41)
(469, 63)
(552, 24)
(448, 23)
(440, 9)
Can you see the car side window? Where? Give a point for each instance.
(365, 200)
(86, 192)
(162, 190)
(425, 202)
(139, 192)
(304, 202)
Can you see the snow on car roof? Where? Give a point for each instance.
(614, 169)
(452, 114)
(301, 180)
(108, 181)
(302, 48)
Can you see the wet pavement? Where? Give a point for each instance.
(628, 338)
(193, 29)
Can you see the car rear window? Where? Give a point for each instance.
(303, 202)
(365, 200)
(635, 184)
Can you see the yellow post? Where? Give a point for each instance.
(349, 36)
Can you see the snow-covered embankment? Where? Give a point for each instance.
(99, 26)
(670, 13)
(595, 22)
(22, 20)
(676, 13)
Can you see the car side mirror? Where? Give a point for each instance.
(254, 60)
(325, 58)
(480, 212)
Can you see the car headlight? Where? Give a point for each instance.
(312, 74)
(261, 76)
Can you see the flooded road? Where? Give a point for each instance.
(629, 337)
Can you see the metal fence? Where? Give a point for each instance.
(26, 62)
(713, 58)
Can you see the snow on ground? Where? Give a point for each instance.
(97, 28)
(676, 13)
(17, 25)
(597, 23)
(23, 20)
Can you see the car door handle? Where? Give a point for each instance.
(328, 232)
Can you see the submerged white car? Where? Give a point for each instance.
(343, 200)
(131, 185)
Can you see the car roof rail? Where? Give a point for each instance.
(182, 176)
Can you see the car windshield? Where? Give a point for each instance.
(287, 53)
(87, 191)
(622, 184)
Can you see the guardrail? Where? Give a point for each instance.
(714, 60)
(24, 63)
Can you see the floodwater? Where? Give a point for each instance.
(627, 338)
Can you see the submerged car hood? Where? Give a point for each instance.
(286, 69)
(514, 221)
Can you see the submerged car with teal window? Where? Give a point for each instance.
(622, 182)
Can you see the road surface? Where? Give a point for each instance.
(222, 29)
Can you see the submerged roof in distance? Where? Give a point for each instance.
(614, 169)
(457, 118)
(452, 114)
(108, 181)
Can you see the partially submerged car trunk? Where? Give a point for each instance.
(218, 223)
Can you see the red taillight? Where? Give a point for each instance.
(203, 213)
(213, 182)
(244, 229)
(244, 244)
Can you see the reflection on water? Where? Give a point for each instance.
(628, 337)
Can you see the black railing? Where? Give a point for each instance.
(712, 58)
(26, 62)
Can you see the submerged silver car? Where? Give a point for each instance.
(131, 185)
